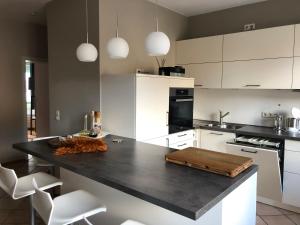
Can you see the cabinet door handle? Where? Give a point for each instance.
(252, 85)
(198, 85)
(181, 145)
(216, 134)
(167, 120)
(249, 151)
(182, 135)
(168, 142)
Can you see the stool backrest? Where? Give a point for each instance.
(42, 203)
(8, 180)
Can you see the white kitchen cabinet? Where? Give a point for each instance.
(152, 106)
(292, 162)
(273, 42)
(199, 50)
(269, 178)
(291, 178)
(183, 144)
(291, 187)
(215, 140)
(181, 136)
(181, 82)
(207, 75)
(297, 40)
(160, 141)
(258, 74)
(137, 105)
(296, 73)
(180, 140)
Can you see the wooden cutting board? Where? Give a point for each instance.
(216, 162)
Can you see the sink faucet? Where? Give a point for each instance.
(222, 116)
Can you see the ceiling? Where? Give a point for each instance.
(28, 11)
(196, 7)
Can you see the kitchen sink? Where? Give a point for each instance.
(224, 126)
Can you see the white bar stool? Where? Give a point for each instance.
(131, 222)
(65, 209)
(22, 187)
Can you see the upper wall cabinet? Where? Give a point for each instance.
(258, 74)
(200, 50)
(207, 75)
(297, 40)
(274, 42)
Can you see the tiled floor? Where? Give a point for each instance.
(17, 212)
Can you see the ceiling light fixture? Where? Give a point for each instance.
(117, 47)
(87, 52)
(157, 43)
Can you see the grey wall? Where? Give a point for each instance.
(74, 86)
(42, 98)
(266, 14)
(136, 21)
(17, 41)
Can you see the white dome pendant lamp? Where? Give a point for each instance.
(87, 52)
(157, 43)
(117, 47)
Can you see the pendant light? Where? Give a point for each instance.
(87, 52)
(117, 47)
(157, 43)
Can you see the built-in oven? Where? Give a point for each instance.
(181, 106)
(267, 153)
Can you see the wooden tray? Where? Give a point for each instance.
(216, 162)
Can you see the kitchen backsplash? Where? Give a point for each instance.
(245, 106)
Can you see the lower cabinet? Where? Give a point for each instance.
(291, 176)
(180, 140)
(291, 187)
(214, 140)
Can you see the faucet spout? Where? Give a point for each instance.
(222, 116)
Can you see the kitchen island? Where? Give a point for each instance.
(134, 181)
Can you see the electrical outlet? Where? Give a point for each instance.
(250, 26)
(267, 115)
(57, 115)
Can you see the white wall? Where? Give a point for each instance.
(245, 106)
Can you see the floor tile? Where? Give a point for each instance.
(3, 215)
(295, 218)
(259, 221)
(17, 217)
(266, 210)
(9, 203)
(277, 220)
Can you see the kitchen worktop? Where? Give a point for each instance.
(140, 170)
(244, 129)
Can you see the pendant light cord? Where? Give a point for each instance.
(87, 21)
(117, 31)
(156, 15)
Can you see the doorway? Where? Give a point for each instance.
(37, 98)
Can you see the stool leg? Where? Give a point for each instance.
(32, 212)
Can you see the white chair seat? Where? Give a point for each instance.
(25, 187)
(131, 222)
(75, 206)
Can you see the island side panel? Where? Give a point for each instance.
(239, 207)
(121, 206)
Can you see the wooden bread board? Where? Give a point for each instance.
(216, 162)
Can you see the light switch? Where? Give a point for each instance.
(57, 115)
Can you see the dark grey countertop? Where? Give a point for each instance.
(245, 129)
(140, 170)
